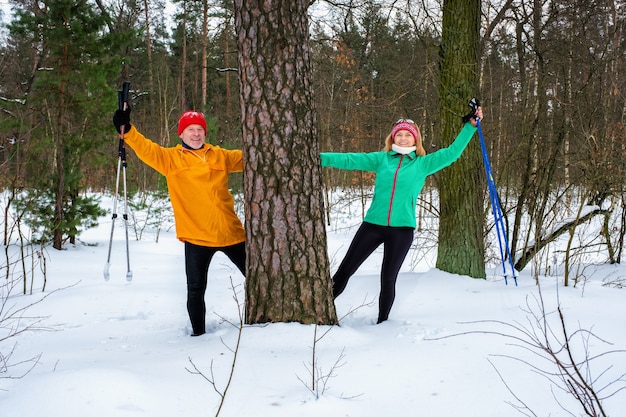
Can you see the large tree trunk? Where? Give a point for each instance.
(461, 246)
(288, 273)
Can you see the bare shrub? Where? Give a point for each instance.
(210, 378)
(561, 356)
(14, 321)
(319, 377)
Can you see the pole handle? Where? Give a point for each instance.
(122, 104)
(474, 103)
(122, 96)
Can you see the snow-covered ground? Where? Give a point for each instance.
(454, 346)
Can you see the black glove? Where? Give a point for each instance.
(122, 118)
(474, 104)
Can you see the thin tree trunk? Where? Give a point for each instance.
(60, 158)
(204, 53)
(149, 54)
(183, 64)
(227, 97)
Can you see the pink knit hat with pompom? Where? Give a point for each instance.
(405, 126)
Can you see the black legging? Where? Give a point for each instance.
(397, 242)
(197, 260)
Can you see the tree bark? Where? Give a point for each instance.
(287, 273)
(461, 246)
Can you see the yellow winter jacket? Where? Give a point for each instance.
(197, 180)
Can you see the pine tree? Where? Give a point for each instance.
(288, 273)
(68, 97)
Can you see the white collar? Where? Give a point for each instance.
(404, 150)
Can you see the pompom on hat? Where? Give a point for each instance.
(191, 117)
(405, 125)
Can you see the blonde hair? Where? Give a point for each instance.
(419, 148)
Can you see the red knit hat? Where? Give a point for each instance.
(191, 117)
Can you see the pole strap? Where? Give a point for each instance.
(122, 104)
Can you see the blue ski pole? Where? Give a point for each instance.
(496, 208)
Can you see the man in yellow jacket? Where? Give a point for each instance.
(204, 210)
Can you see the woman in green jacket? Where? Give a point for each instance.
(401, 170)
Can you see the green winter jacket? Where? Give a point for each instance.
(399, 178)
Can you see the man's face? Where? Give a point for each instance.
(193, 136)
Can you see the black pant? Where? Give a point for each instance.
(197, 260)
(397, 242)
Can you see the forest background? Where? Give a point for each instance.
(549, 81)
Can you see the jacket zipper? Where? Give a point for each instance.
(393, 190)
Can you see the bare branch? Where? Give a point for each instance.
(553, 345)
(235, 350)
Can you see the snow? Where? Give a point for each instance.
(454, 346)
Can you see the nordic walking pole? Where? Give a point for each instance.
(122, 96)
(496, 208)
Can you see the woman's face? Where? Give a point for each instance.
(404, 138)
